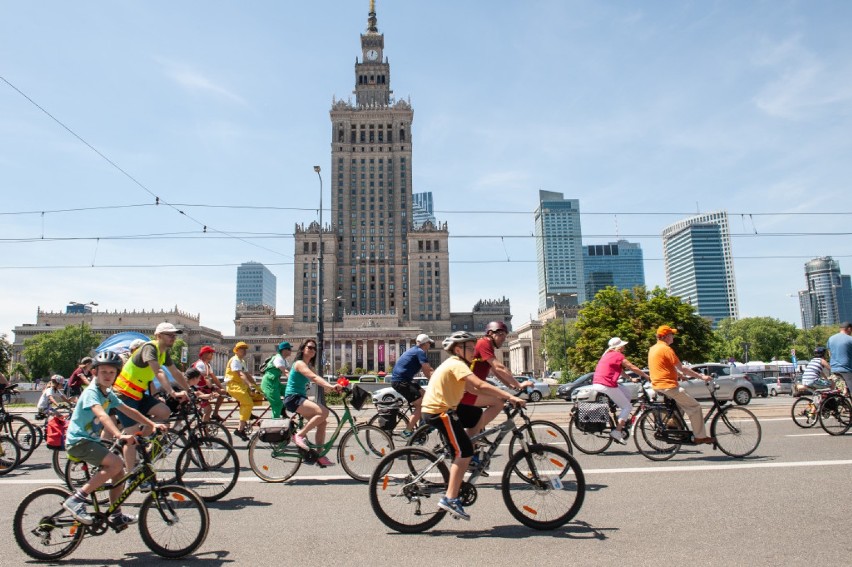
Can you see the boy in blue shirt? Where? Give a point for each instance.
(82, 441)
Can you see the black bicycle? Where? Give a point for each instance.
(592, 423)
(18, 428)
(173, 520)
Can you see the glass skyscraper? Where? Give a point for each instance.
(828, 298)
(699, 265)
(255, 285)
(617, 264)
(559, 251)
(422, 209)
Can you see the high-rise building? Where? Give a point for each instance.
(423, 209)
(559, 251)
(828, 297)
(699, 265)
(617, 264)
(255, 285)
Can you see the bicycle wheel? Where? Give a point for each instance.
(426, 437)
(550, 489)
(78, 473)
(541, 432)
(273, 462)
(332, 421)
(406, 501)
(10, 454)
(361, 449)
(43, 529)
(23, 432)
(590, 442)
(215, 429)
(400, 425)
(58, 461)
(736, 430)
(173, 521)
(647, 435)
(835, 415)
(803, 412)
(165, 449)
(209, 466)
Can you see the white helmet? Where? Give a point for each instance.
(457, 338)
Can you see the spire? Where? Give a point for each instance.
(371, 20)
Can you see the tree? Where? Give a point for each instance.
(176, 354)
(5, 354)
(634, 315)
(557, 336)
(808, 339)
(767, 338)
(59, 352)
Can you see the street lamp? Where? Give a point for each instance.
(745, 351)
(320, 331)
(83, 312)
(333, 320)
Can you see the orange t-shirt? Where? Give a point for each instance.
(661, 366)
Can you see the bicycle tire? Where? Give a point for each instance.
(401, 424)
(361, 449)
(216, 429)
(592, 442)
(10, 455)
(737, 431)
(270, 467)
(165, 450)
(208, 466)
(546, 495)
(426, 437)
(168, 510)
(40, 518)
(835, 414)
(648, 427)
(543, 433)
(397, 501)
(78, 473)
(23, 432)
(57, 460)
(803, 412)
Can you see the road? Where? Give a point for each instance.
(789, 503)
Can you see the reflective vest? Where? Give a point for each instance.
(133, 380)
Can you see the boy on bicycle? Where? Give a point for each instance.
(83, 438)
(446, 388)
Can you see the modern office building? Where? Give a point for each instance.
(423, 210)
(559, 251)
(828, 297)
(255, 285)
(616, 264)
(699, 265)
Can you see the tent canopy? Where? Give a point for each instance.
(120, 343)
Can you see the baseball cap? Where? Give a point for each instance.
(846, 325)
(663, 330)
(284, 345)
(423, 338)
(205, 349)
(167, 328)
(240, 345)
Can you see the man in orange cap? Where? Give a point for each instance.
(666, 370)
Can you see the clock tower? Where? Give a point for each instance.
(372, 74)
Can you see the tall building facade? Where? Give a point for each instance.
(619, 264)
(423, 209)
(699, 265)
(256, 285)
(559, 251)
(828, 297)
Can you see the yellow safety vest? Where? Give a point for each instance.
(133, 380)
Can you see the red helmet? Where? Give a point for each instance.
(496, 326)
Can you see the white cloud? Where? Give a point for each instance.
(194, 80)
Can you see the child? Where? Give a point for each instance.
(203, 391)
(83, 440)
(51, 396)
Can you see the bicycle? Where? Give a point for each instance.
(543, 487)
(835, 413)
(17, 427)
(10, 455)
(256, 420)
(173, 520)
(805, 410)
(273, 459)
(660, 431)
(590, 428)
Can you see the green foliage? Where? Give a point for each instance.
(344, 369)
(767, 338)
(359, 371)
(634, 315)
(5, 354)
(58, 352)
(808, 339)
(557, 336)
(175, 354)
(19, 369)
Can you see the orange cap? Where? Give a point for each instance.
(664, 330)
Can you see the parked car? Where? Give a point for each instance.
(540, 388)
(731, 386)
(564, 391)
(588, 394)
(781, 385)
(761, 390)
(387, 395)
(369, 379)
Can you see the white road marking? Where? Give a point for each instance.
(806, 435)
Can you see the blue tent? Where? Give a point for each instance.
(120, 343)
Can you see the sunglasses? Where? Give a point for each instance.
(310, 347)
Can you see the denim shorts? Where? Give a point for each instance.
(293, 401)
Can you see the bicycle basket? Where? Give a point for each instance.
(275, 431)
(359, 397)
(591, 417)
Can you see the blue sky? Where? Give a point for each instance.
(645, 111)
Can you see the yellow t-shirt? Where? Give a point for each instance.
(661, 366)
(446, 386)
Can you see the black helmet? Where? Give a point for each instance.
(457, 338)
(495, 326)
(819, 351)
(109, 358)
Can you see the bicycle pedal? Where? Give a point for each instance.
(120, 529)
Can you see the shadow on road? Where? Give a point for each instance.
(237, 503)
(572, 530)
(206, 559)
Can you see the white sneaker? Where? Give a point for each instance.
(618, 436)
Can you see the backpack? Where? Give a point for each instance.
(266, 364)
(55, 434)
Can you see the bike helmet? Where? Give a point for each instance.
(496, 326)
(457, 338)
(109, 358)
(819, 351)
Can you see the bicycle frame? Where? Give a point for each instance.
(683, 436)
(283, 449)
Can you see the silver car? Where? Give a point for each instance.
(731, 386)
(588, 394)
(540, 389)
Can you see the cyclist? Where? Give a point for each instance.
(133, 385)
(240, 385)
(410, 363)
(271, 383)
(448, 384)
(815, 375)
(210, 381)
(80, 377)
(51, 396)
(484, 360)
(839, 346)
(296, 398)
(666, 369)
(83, 438)
(609, 369)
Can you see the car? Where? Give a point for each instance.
(781, 385)
(369, 379)
(732, 386)
(564, 391)
(588, 394)
(760, 388)
(540, 388)
(388, 395)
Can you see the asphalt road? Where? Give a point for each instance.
(789, 503)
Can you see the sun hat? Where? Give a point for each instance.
(615, 343)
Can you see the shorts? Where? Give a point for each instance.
(469, 415)
(452, 432)
(411, 391)
(75, 391)
(90, 452)
(293, 401)
(143, 406)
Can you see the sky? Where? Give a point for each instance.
(647, 112)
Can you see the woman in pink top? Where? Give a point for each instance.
(609, 369)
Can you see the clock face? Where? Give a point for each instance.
(372, 55)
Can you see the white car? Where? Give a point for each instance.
(387, 395)
(588, 394)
